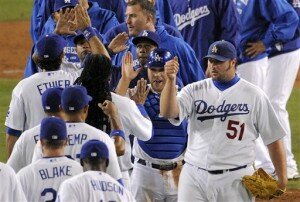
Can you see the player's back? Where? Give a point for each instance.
(41, 179)
(25, 110)
(93, 186)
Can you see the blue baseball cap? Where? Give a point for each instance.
(59, 4)
(53, 128)
(74, 98)
(51, 99)
(222, 51)
(148, 36)
(158, 58)
(94, 149)
(50, 46)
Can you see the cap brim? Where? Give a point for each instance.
(217, 57)
(65, 6)
(78, 38)
(138, 39)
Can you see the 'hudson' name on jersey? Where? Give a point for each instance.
(190, 17)
(222, 111)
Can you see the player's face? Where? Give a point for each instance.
(221, 71)
(157, 78)
(136, 19)
(82, 49)
(143, 49)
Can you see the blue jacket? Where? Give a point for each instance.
(116, 6)
(203, 22)
(35, 20)
(269, 21)
(290, 45)
(189, 68)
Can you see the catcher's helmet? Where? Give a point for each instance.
(158, 57)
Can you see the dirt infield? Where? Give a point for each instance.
(292, 195)
(15, 46)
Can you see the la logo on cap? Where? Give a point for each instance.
(157, 58)
(145, 33)
(67, 1)
(214, 49)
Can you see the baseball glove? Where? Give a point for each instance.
(261, 185)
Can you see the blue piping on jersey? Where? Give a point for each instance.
(13, 132)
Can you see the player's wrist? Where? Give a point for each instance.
(89, 32)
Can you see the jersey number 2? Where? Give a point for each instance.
(234, 127)
(51, 191)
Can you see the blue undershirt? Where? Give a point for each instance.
(221, 85)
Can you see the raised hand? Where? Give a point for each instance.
(171, 68)
(118, 44)
(66, 23)
(140, 93)
(128, 72)
(82, 17)
(109, 108)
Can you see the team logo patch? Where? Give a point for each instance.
(145, 33)
(214, 49)
(67, 1)
(224, 110)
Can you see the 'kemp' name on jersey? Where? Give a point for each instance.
(222, 111)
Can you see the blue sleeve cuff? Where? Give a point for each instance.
(120, 181)
(13, 132)
(142, 110)
(117, 133)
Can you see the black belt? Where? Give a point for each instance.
(165, 167)
(217, 172)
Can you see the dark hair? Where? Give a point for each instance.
(54, 144)
(47, 64)
(94, 162)
(95, 77)
(145, 6)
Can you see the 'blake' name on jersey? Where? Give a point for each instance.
(55, 172)
(222, 111)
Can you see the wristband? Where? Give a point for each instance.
(89, 32)
(142, 110)
(117, 133)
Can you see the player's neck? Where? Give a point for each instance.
(53, 152)
(74, 118)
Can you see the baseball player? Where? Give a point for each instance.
(11, 189)
(25, 109)
(75, 104)
(226, 114)
(262, 25)
(158, 162)
(40, 180)
(203, 22)
(283, 65)
(22, 152)
(133, 118)
(94, 184)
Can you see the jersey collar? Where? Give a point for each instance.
(225, 85)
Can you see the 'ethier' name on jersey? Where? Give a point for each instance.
(58, 83)
(190, 17)
(55, 172)
(106, 186)
(222, 111)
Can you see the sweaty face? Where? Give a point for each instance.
(157, 78)
(83, 48)
(136, 20)
(143, 49)
(221, 71)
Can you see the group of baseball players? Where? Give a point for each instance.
(152, 100)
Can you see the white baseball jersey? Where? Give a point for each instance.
(93, 186)
(224, 124)
(10, 187)
(80, 133)
(41, 180)
(25, 109)
(22, 153)
(133, 123)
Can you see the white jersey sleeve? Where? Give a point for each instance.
(132, 119)
(37, 153)
(93, 186)
(11, 189)
(22, 153)
(268, 125)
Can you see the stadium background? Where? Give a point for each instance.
(15, 44)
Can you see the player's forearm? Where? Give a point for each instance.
(119, 141)
(98, 47)
(122, 86)
(10, 142)
(277, 154)
(168, 102)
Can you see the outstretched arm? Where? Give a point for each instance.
(169, 107)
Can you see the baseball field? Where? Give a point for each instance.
(15, 45)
